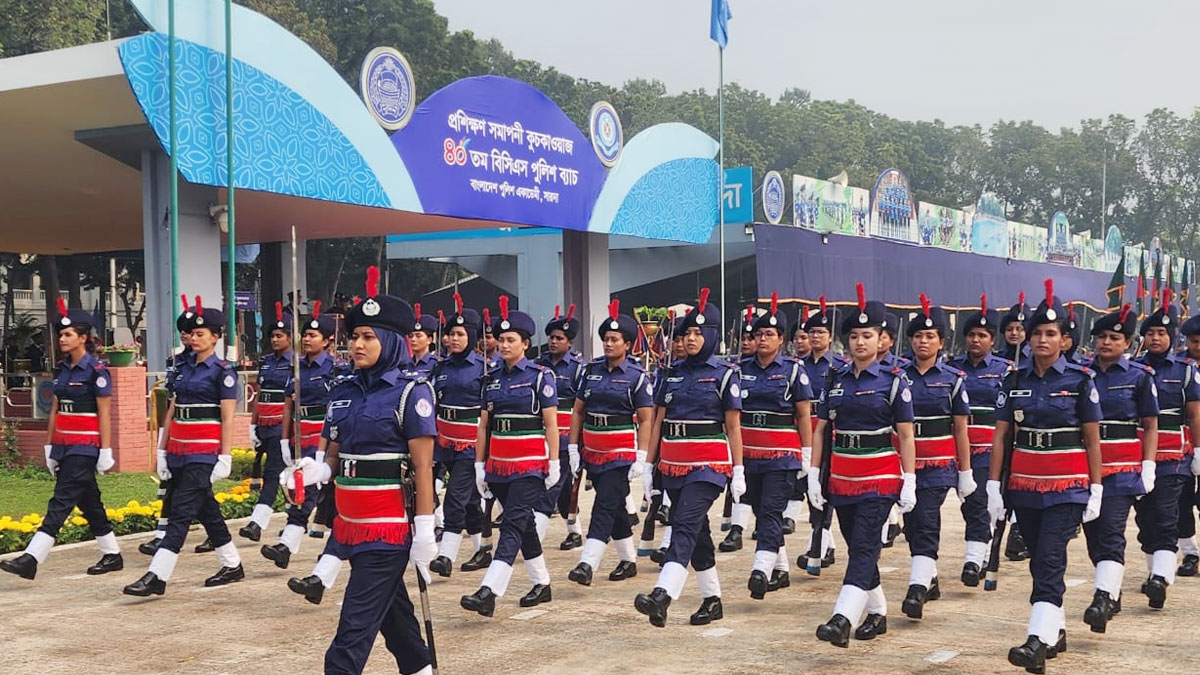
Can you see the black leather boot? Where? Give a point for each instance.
(914, 603)
(1099, 612)
(148, 585)
(733, 540)
(109, 562)
(779, 579)
(1189, 566)
(789, 526)
(1156, 590)
(710, 611)
(1031, 656)
(537, 595)
(251, 531)
(758, 584)
(150, 547)
(310, 587)
(1014, 548)
(874, 624)
(24, 566)
(479, 561)
(654, 605)
(626, 569)
(829, 559)
(279, 553)
(482, 601)
(573, 540)
(935, 591)
(1059, 647)
(441, 566)
(205, 546)
(658, 556)
(225, 575)
(970, 574)
(581, 574)
(836, 631)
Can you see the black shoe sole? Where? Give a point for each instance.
(481, 611)
(314, 598)
(1021, 663)
(534, 602)
(912, 610)
(97, 571)
(224, 581)
(1094, 618)
(705, 620)
(148, 592)
(644, 605)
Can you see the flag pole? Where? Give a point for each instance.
(721, 178)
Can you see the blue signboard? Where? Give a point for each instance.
(738, 200)
(498, 149)
(245, 301)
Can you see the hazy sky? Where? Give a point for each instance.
(962, 61)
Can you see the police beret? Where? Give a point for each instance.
(930, 318)
(622, 323)
(423, 322)
(282, 321)
(321, 323)
(206, 317)
(823, 318)
(569, 325)
(379, 310)
(704, 315)
(1018, 312)
(1049, 310)
(1191, 326)
(987, 319)
(1120, 321)
(181, 321)
(467, 318)
(513, 322)
(868, 314)
(78, 319)
(891, 322)
(773, 318)
(1166, 316)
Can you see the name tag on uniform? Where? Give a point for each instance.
(772, 377)
(520, 385)
(749, 378)
(1166, 381)
(989, 376)
(835, 392)
(1020, 393)
(1059, 394)
(344, 403)
(495, 386)
(595, 378)
(674, 379)
(934, 385)
(865, 392)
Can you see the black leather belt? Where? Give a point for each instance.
(372, 468)
(981, 418)
(509, 424)
(565, 403)
(69, 406)
(602, 420)
(762, 418)
(880, 440)
(1037, 439)
(1170, 418)
(1117, 432)
(683, 429)
(270, 396)
(307, 411)
(932, 428)
(198, 412)
(458, 414)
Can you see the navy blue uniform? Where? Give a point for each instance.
(983, 384)
(566, 377)
(426, 364)
(274, 384)
(317, 376)
(458, 380)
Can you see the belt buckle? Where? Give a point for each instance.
(853, 441)
(758, 419)
(503, 425)
(350, 468)
(917, 428)
(676, 429)
(1039, 439)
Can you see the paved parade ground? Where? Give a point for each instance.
(66, 622)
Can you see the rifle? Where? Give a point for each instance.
(656, 497)
(297, 496)
(991, 572)
(485, 533)
(824, 516)
(410, 507)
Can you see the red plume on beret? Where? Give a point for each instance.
(458, 304)
(926, 306)
(614, 309)
(355, 300)
(703, 299)
(824, 310)
(278, 310)
(372, 281)
(417, 310)
(862, 297)
(749, 314)
(199, 305)
(557, 312)
(487, 317)
(316, 308)
(183, 297)
(62, 306)
(1124, 313)
(1166, 298)
(504, 307)
(774, 302)
(441, 317)
(1021, 298)
(1071, 311)
(570, 311)
(983, 304)
(1049, 292)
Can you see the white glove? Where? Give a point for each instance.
(285, 448)
(1092, 510)
(553, 475)
(162, 434)
(995, 501)
(966, 484)
(254, 435)
(222, 468)
(908, 492)
(160, 465)
(51, 464)
(635, 469)
(424, 545)
(815, 498)
(1149, 469)
(105, 461)
(806, 458)
(573, 457)
(737, 484)
(481, 481)
(1196, 461)
(647, 472)
(311, 470)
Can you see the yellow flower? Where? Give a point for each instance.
(133, 504)
(78, 520)
(221, 497)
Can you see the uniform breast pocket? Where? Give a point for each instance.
(1063, 402)
(1119, 393)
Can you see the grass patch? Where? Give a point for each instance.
(25, 491)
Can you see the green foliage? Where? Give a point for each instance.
(646, 313)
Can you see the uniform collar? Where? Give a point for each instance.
(468, 356)
(622, 366)
(320, 358)
(212, 360)
(872, 369)
(777, 360)
(569, 357)
(86, 363)
(520, 365)
(1123, 363)
(988, 359)
(1167, 357)
(286, 356)
(1060, 366)
(827, 356)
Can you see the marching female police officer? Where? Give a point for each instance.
(696, 442)
(196, 455)
(516, 458)
(379, 432)
(1128, 439)
(421, 341)
(985, 373)
(271, 408)
(78, 444)
(1052, 409)
(317, 376)
(611, 419)
(1189, 498)
(820, 361)
(866, 402)
(941, 408)
(1178, 383)
(566, 365)
(776, 434)
(458, 380)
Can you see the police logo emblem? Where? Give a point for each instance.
(832, 415)
(699, 318)
(66, 321)
(458, 320)
(333, 433)
(906, 396)
(613, 325)
(370, 307)
(862, 318)
(199, 321)
(735, 390)
(1000, 399)
(1019, 415)
(101, 381)
(983, 321)
(547, 390)
(668, 397)
(649, 390)
(1117, 328)
(1166, 320)
(228, 382)
(314, 325)
(504, 325)
(772, 321)
(387, 86)
(804, 379)
(1094, 397)
(1051, 314)
(566, 325)
(424, 408)
(417, 326)
(929, 323)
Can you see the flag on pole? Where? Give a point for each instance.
(1141, 287)
(1154, 285)
(1116, 286)
(1185, 290)
(718, 28)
